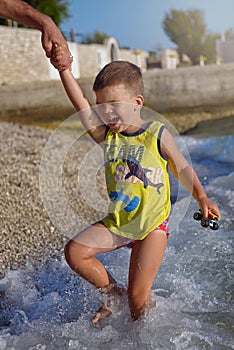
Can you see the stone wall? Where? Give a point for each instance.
(164, 90)
(23, 59)
(93, 57)
(21, 56)
(89, 62)
(189, 87)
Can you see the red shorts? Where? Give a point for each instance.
(163, 226)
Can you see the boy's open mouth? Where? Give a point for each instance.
(113, 120)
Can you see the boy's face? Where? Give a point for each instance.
(119, 108)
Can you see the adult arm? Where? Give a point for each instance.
(21, 12)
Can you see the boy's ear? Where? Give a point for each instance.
(139, 101)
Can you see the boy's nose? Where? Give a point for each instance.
(106, 109)
(109, 111)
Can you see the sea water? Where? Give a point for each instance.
(49, 307)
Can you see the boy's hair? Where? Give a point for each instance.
(120, 72)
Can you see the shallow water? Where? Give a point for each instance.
(49, 307)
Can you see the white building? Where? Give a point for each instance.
(89, 59)
(169, 58)
(225, 50)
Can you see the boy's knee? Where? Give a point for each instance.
(75, 252)
(68, 252)
(71, 251)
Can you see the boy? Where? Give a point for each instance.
(137, 154)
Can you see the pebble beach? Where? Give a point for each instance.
(26, 230)
(27, 233)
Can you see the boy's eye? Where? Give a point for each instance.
(103, 106)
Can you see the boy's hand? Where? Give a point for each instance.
(207, 205)
(58, 56)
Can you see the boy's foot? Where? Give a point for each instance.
(110, 302)
(102, 312)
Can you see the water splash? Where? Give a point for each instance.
(49, 307)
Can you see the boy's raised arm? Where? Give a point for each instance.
(74, 91)
(87, 115)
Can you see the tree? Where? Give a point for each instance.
(187, 29)
(229, 34)
(209, 47)
(96, 38)
(56, 9)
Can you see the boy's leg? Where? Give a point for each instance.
(145, 261)
(80, 254)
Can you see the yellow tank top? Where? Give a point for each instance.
(137, 181)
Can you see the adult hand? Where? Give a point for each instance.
(51, 36)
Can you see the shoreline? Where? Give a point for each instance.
(212, 127)
(26, 230)
(188, 121)
(184, 119)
